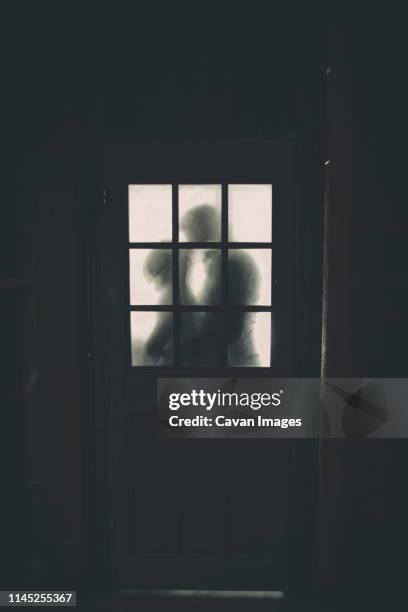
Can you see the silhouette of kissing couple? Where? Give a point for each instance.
(200, 283)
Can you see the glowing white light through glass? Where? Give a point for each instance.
(250, 213)
(200, 276)
(150, 213)
(142, 328)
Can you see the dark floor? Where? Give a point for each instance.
(183, 604)
(144, 603)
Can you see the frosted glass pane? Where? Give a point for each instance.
(250, 213)
(152, 338)
(200, 213)
(250, 339)
(200, 276)
(150, 276)
(250, 276)
(150, 213)
(202, 338)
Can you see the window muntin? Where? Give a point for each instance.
(202, 297)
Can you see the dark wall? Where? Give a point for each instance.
(362, 501)
(75, 81)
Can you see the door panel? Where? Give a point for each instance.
(202, 513)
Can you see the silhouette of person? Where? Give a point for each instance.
(243, 288)
(157, 350)
(200, 224)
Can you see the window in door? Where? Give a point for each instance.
(200, 275)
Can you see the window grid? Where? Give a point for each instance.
(176, 308)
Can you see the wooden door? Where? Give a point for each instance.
(195, 513)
